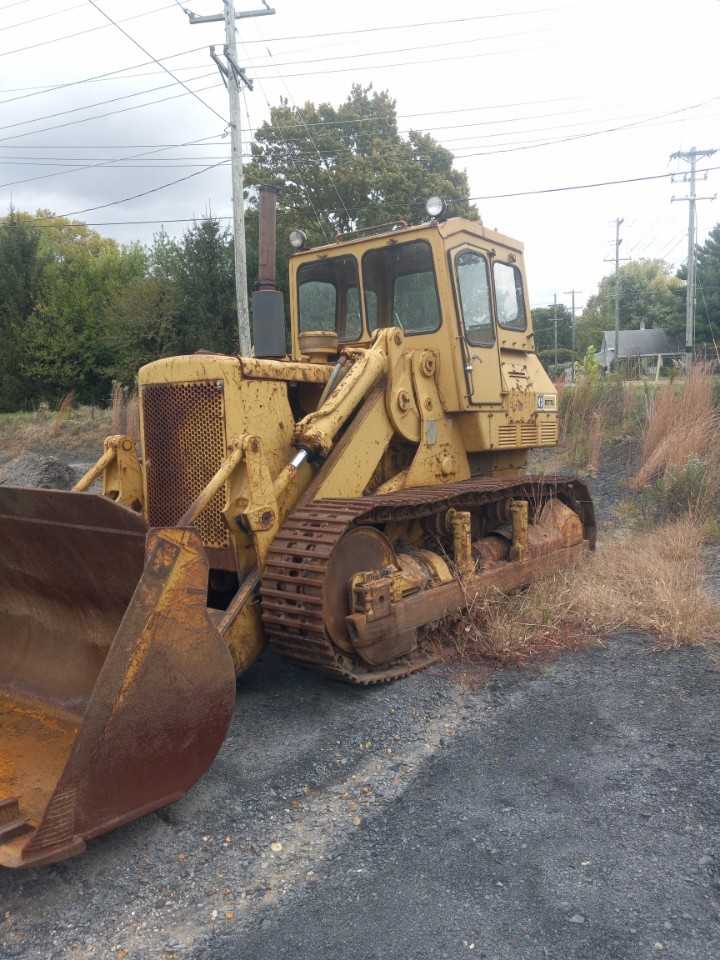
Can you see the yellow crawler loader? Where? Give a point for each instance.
(332, 495)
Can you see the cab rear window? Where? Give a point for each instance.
(509, 296)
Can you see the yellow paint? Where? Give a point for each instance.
(410, 410)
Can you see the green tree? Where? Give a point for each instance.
(21, 268)
(343, 168)
(183, 302)
(72, 279)
(707, 314)
(145, 326)
(650, 296)
(544, 327)
(206, 288)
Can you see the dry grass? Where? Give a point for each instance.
(652, 583)
(682, 422)
(125, 413)
(80, 431)
(63, 413)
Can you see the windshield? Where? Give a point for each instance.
(329, 297)
(400, 284)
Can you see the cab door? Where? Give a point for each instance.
(470, 270)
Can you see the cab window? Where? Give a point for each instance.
(401, 289)
(328, 297)
(473, 281)
(509, 296)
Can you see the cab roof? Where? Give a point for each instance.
(446, 228)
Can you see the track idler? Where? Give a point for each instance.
(116, 688)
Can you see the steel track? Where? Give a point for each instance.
(300, 558)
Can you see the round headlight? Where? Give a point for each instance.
(435, 207)
(298, 239)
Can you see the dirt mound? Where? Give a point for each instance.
(33, 470)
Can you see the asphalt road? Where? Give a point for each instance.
(570, 812)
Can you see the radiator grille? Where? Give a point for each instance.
(184, 438)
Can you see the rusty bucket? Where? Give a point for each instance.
(116, 689)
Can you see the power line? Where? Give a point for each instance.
(403, 63)
(317, 150)
(297, 158)
(45, 16)
(116, 163)
(18, 3)
(81, 33)
(505, 148)
(118, 223)
(579, 186)
(159, 63)
(102, 116)
(300, 158)
(215, 138)
(431, 130)
(94, 166)
(595, 133)
(413, 49)
(40, 91)
(145, 193)
(320, 222)
(368, 119)
(408, 26)
(455, 126)
(673, 245)
(101, 103)
(525, 193)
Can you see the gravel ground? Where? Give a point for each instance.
(617, 462)
(568, 812)
(564, 812)
(33, 470)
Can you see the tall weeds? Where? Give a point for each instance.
(680, 461)
(653, 582)
(590, 410)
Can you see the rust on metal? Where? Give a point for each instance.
(267, 233)
(116, 687)
(299, 563)
(288, 371)
(184, 447)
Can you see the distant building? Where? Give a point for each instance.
(637, 346)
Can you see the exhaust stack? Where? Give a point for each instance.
(267, 241)
(268, 305)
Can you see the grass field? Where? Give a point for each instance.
(71, 432)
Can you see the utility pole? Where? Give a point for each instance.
(617, 259)
(234, 77)
(691, 156)
(571, 294)
(555, 321)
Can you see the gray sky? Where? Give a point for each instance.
(526, 85)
